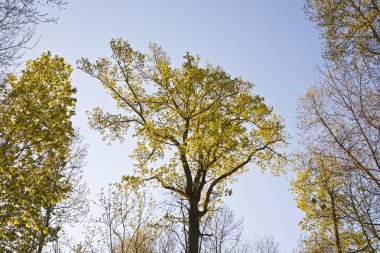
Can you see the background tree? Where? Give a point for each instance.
(202, 125)
(265, 244)
(340, 122)
(36, 137)
(126, 227)
(222, 231)
(126, 224)
(348, 27)
(175, 222)
(168, 241)
(18, 22)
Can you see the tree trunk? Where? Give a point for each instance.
(335, 220)
(41, 241)
(194, 232)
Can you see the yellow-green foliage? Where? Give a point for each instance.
(319, 191)
(197, 127)
(35, 134)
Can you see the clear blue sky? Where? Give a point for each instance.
(267, 42)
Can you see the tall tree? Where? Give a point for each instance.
(204, 126)
(337, 183)
(340, 122)
(36, 137)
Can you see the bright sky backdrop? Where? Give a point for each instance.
(267, 42)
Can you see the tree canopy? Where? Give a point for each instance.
(348, 27)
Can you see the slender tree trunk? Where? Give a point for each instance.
(194, 232)
(335, 220)
(41, 242)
